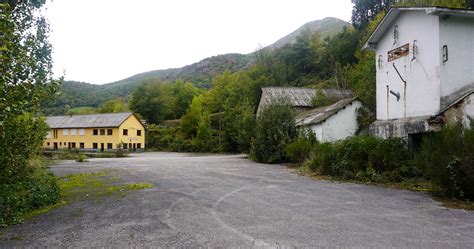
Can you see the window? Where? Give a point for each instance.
(55, 133)
(81, 145)
(95, 132)
(125, 146)
(73, 145)
(109, 132)
(81, 132)
(109, 146)
(102, 132)
(48, 134)
(139, 145)
(48, 143)
(94, 146)
(139, 133)
(73, 132)
(65, 131)
(445, 53)
(125, 132)
(60, 144)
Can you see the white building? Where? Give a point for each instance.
(334, 122)
(425, 70)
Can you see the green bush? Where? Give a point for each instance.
(274, 130)
(363, 158)
(298, 150)
(447, 158)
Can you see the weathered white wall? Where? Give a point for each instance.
(458, 72)
(339, 126)
(468, 111)
(422, 74)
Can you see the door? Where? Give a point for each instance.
(101, 146)
(55, 146)
(134, 146)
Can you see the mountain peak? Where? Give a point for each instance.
(325, 27)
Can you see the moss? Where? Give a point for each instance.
(94, 186)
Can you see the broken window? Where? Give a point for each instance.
(399, 52)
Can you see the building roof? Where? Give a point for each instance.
(298, 96)
(320, 114)
(88, 121)
(393, 14)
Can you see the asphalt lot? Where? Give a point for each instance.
(229, 201)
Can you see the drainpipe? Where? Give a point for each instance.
(404, 91)
(387, 103)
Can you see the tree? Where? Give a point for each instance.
(156, 101)
(113, 105)
(275, 129)
(365, 11)
(25, 79)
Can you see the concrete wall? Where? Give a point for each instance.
(422, 74)
(339, 126)
(458, 72)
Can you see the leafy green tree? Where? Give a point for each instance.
(25, 79)
(274, 130)
(156, 101)
(365, 11)
(113, 105)
(190, 121)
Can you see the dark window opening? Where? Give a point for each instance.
(139, 132)
(139, 145)
(125, 132)
(109, 132)
(81, 145)
(109, 146)
(102, 132)
(95, 132)
(73, 145)
(94, 146)
(445, 53)
(48, 143)
(125, 146)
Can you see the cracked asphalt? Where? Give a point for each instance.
(229, 201)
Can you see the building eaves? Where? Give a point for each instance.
(393, 14)
(321, 114)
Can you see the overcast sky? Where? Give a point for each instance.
(101, 41)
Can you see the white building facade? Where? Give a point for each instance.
(425, 66)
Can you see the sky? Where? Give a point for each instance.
(101, 41)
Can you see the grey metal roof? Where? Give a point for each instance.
(88, 121)
(320, 114)
(393, 14)
(299, 96)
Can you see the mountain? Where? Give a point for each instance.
(79, 94)
(328, 26)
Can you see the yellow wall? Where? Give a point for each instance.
(132, 124)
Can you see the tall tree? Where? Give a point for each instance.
(365, 11)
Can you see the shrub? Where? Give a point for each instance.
(362, 158)
(81, 158)
(298, 150)
(447, 158)
(274, 130)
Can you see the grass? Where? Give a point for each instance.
(96, 186)
(411, 185)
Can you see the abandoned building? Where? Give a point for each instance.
(330, 123)
(299, 97)
(334, 122)
(425, 70)
(96, 132)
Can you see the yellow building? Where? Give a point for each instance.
(95, 132)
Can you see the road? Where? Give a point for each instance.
(229, 201)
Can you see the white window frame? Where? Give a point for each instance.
(65, 132)
(73, 132)
(81, 132)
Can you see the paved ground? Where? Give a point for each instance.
(228, 201)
